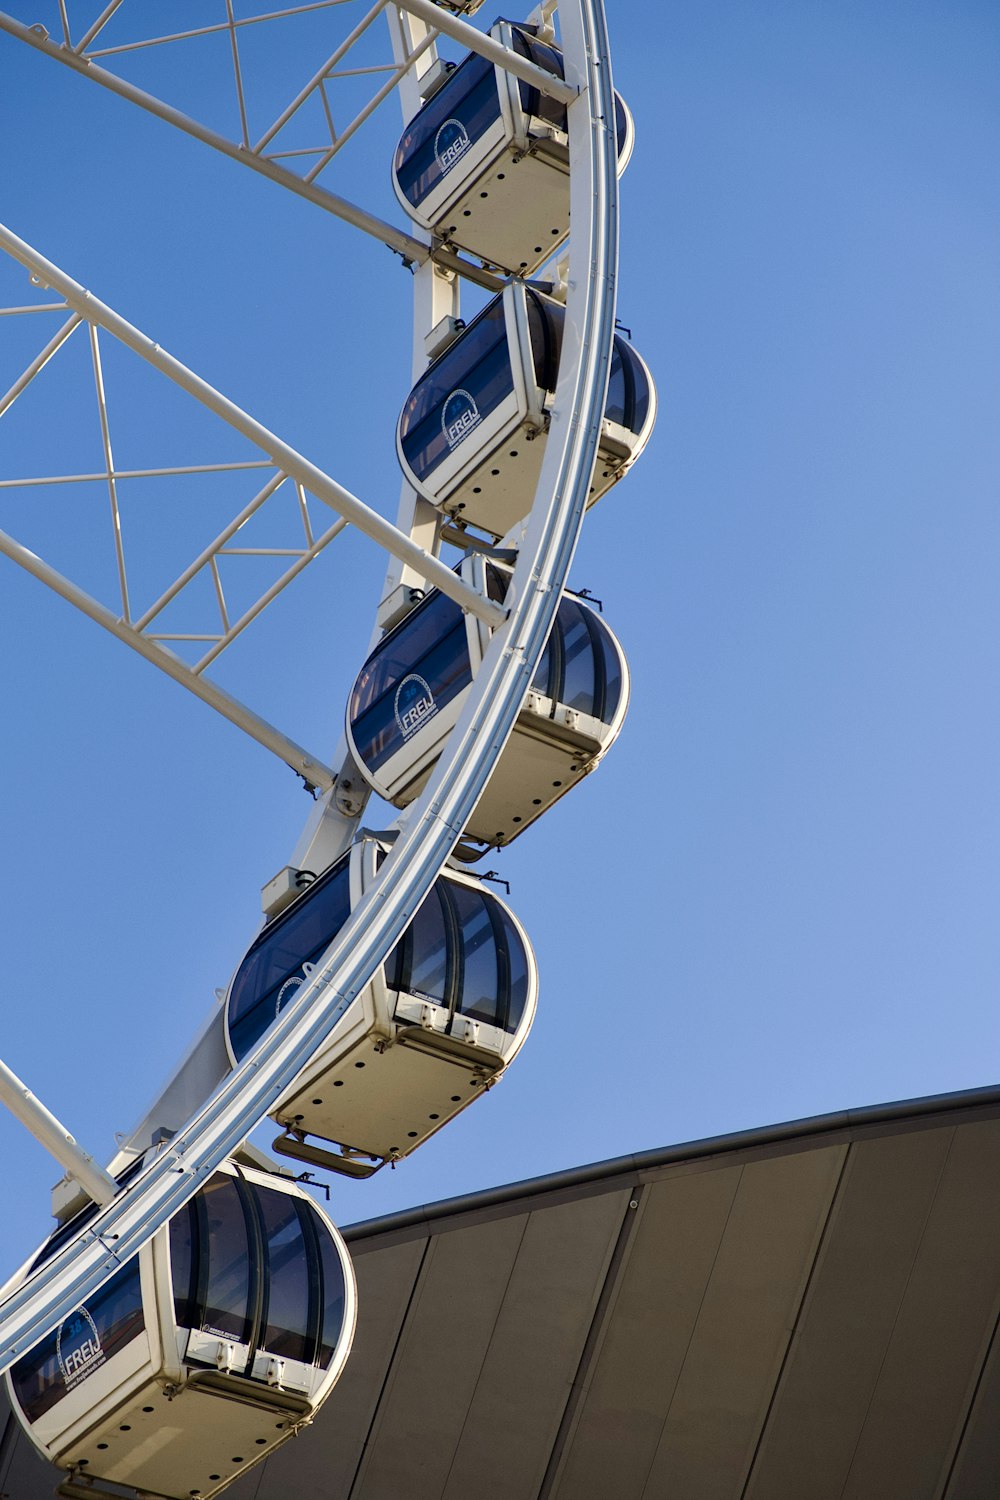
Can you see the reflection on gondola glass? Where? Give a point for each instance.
(579, 667)
(461, 950)
(459, 390)
(429, 649)
(570, 718)
(224, 1231)
(425, 971)
(287, 1301)
(628, 389)
(439, 136)
(292, 1305)
(273, 969)
(533, 101)
(81, 1344)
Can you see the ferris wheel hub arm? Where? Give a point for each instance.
(287, 458)
(406, 245)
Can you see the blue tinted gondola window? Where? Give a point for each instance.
(287, 1301)
(458, 392)
(334, 1296)
(479, 995)
(517, 972)
(425, 969)
(542, 680)
(183, 1265)
(545, 329)
(628, 389)
(621, 123)
(442, 132)
(461, 951)
(81, 1345)
(533, 101)
(414, 673)
(579, 686)
(580, 665)
(287, 1329)
(272, 971)
(226, 1304)
(612, 670)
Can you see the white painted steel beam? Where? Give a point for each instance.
(434, 823)
(292, 463)
(310, 767)
(412, 250)
(404, 244)
(492, 50)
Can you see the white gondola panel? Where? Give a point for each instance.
(484, 164)
(441, 1019)
(412, 688)
(471, 437)
(215, 1344)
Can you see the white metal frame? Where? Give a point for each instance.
(274, 163)
(433, 825)
(284, 462)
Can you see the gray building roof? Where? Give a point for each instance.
(799, 1313)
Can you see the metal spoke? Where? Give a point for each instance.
(98, 26)
(292, 463)
(239, 23)
(116, 520)
(39, 362)
(412, 250)
(244, 128)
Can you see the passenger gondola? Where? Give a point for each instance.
(485, 163)
(411, 690)
(437, 1024)
(471, 436)
(213, 1345)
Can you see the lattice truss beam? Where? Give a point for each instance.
(277, 476)
(225, 544)
(318, 90)
(299, 142)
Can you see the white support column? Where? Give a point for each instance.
(406, 34)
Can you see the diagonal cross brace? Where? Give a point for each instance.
(436, 573)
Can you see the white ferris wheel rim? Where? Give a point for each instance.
(434, 824)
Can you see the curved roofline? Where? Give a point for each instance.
(926, 1108)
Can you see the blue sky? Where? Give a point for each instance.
(777, 896)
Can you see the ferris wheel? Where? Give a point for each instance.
(389, 986)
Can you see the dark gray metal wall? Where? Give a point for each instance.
(803, 1314)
